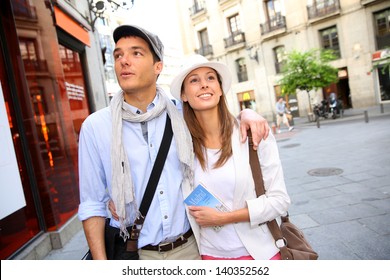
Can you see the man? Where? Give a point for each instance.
(281, 116)
(118, 147)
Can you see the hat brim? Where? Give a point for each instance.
(221, 69)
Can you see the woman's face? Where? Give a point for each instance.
(201, 89)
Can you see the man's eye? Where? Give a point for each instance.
(116, 56)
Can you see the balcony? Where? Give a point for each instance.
(235, 40)
(35, 65)
(323, 9)
(206, 50)
(275, 23)
(370, 2)
(197, 9)
(24, 10)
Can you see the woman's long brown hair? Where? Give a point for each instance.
(227, 122)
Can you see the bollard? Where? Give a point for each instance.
(366, 116)
(318, 122)
(382, 109)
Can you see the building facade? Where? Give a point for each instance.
(51, 79)
(253, 37)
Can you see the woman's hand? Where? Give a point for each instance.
(111, 207)
(207, 216)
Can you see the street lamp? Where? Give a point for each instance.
(252, 53)
(98, 8)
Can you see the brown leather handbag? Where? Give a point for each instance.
(288, 237)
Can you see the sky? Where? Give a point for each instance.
(157, 16)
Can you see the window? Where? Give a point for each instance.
(247, 100)
(205, 47)
(382, 22)
(279, 54)
(234, 24)
(242, 73)
(273, 9)
(330, 40)
(384, 83)
(236, 35)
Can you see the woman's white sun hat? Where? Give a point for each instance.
(197, 61)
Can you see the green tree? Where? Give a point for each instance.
(308, 71)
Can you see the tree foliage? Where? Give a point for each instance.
(308, 71)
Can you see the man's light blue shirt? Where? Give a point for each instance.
(166, 218)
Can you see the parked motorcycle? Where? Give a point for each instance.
(321, 110)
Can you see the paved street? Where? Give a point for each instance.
(344, 206)
(338, 176)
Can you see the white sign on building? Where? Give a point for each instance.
(11, 189)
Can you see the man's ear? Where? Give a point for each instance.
(158, 67)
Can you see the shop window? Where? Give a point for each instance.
(384, 82)
(247, 100)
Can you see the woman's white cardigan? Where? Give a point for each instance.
(255, 234)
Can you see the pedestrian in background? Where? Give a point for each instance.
(281, 117)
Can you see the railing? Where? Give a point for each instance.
(274, 23)
(35, 65)
(197, 8)
(234, 39)
(205, 50)
(323, 8)
(24, 10)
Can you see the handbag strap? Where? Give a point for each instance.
(254, 162)
(153, 179)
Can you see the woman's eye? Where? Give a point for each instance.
(193, 80)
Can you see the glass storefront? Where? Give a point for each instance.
(44, 91)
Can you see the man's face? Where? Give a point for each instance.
(134, 67)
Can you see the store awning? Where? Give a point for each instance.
(71, 26)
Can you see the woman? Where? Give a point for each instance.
(222, 166)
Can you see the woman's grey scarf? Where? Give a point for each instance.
(122, 183)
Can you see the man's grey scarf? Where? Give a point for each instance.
(122, 183)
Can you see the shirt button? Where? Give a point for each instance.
(161, 192)
(151, 145)
(166, 217)
(143, 123)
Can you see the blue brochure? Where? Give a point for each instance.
(200, 196)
